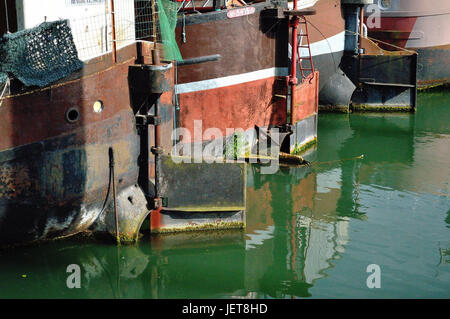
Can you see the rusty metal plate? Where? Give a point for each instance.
(202, 187)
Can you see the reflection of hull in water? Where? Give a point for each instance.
(194, 265)
(294, 230)
(396, 135)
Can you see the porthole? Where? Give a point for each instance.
(72, 115)
(98, 106)
(384, 4)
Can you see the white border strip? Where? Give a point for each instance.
(326, 46)
(230, 80)
(302, 4)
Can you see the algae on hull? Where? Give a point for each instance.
(381, 108)
(204, 226)
(299, 149)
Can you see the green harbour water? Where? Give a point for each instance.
(311, 231)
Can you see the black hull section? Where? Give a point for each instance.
(387, 82)
(57, 188)
(335, 88)
(328, 65)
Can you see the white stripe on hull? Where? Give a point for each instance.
(230, 80)
(330, 45)
(326, 46)
(302, 4)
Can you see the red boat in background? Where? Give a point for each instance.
(418, 25)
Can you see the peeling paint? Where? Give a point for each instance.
(87, 217)
(54, 225)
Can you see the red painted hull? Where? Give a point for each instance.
(237, 106)
(246, 86)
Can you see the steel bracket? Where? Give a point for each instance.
(145, 120)
(160, 202)
(157, 150)
(153, 120)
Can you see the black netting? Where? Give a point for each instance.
(41, 55)
(3, 78)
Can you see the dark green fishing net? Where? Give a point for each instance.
(3, 78)
(41, 55)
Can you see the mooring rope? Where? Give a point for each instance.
(309, 164)
(373, 39)
(4, 91)
(326, 39)
(341, 160)
(358, 34)
(338, 161)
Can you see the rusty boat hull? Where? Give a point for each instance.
(246, 88)
(248, 84)
(57, 175)
(54, 148)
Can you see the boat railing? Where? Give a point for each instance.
(121, 23)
